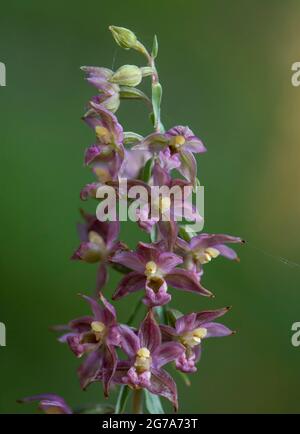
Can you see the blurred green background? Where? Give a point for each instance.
(226, 72)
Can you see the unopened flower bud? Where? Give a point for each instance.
(125, 38)
(127, 75)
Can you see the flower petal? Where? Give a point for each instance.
(168, 231)
(150, 251)
(194, 144)
(92, 153)
(99, 83)
(65, 338)
(131, 260)
(188, 211)
(188, 167)
(131, 283)
(182, 246)
(130, 342)
(97, 71)
(167, 261)
(156, 292)
(163, 384)
(113, 337)
(226, 251)
(210, 240)
(160, 176)
(134, 161)
(108, 312)
(154, 142)
(166, 352)
(186, 281)
(96, 309)
(88, 252)
(82, 324)
(149, 333)
(167, 332)
(197, 352)
(186, 362)
(81, 343)
(89, 190)
(210, 315)
(216, 330)
(123, 367)
(49, 403)
(109, 120)
(180, 130)
(168, 161)
(109, 364)
(186, 323)
(112, 233)
(106, 229)
(89, 369)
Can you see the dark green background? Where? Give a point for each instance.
(225, 67)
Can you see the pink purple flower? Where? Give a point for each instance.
(154, 268)
(146, 357)
(205, 247)
(173, 204)
(109, 149)
(175, 149)
(49, 403)
(190, 330)
(98, 244)
(96, 337)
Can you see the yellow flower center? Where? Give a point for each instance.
(150, 269)
(190, 339)
(205, 256)
(99, 329)
(142, 360)
(97, 250)
(103, 134)
(176, 143)
(95, 238)
(102, 174)
(144, 353)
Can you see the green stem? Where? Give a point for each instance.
(155, 82)
(155, 78)
(137, 401)
(137, 394)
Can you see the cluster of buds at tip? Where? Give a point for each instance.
(114, 353)
(125, 38)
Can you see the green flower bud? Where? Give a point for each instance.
(125, 38)
(127, 75)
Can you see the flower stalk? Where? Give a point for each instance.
(137, 401)
(156, 96)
